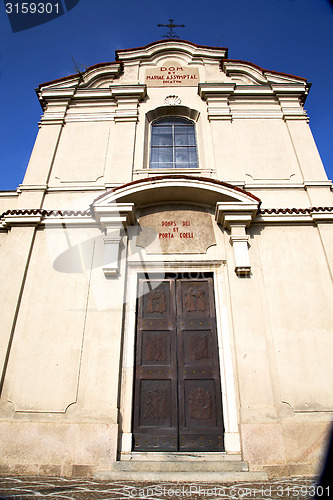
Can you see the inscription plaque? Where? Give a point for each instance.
(176, 230)
(172, 73)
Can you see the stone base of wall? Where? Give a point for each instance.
(285, 449)
(82, 449)
(56, 449)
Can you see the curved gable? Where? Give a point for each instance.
(176, 188)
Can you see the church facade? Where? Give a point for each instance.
(166, 270)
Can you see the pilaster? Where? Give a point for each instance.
(113, 219)
(236, 217)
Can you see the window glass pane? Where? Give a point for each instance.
(184, 136)
(161, 165)
(161, 136)
(182, 155)
(162, 156)
(193, 156)
(186, 158)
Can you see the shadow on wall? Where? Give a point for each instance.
(324, 487)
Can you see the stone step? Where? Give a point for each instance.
(194, 456)
(184, 477)
(180, 466)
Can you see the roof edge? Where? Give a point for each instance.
(151, 44)
(265, 70)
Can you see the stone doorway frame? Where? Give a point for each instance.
(224, 336)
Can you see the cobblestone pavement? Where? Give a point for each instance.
(26, 488)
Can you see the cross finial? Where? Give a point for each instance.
(171, 34)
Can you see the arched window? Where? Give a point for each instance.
(173, 143)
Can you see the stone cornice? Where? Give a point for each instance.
(240, 69)
(111, 69)
(171, 47)
(295, 215)
(38, 216)
(121, 103)
(119, 214)
(207, 90)
(247, 213)
(228, 214)
(286, 100)
(137, 92)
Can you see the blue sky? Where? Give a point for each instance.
(292, 36)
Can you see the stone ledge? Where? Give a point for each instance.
(204, 476)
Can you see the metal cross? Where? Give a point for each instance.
(171, 34)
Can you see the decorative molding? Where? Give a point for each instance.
(9, 194)
(288, 211)
(237, 213)
(169, 265)
(175, 110)
(217, 97)
(177, 47)
(19, 220)
(237, 69)
(113, 219)
(237, 217)
(224, 215)
(172, 100)
(287, 97)
(127, 98)
(240, 243)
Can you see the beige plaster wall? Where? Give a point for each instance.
(42, 155)
(45, 357)
(69, 323)
(253, 372)
(61, 388)
(298, 292)
(7, 202)
(326, 234)
(265, 150)
(321, 196)
(71, 200)
(82, 153)
(13, 266)
(3, 240)
(306, 150)
(287, 197)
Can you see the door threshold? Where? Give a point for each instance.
(190, 456)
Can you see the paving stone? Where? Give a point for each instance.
(27, 488)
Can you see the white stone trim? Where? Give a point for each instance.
(236, 217)
(113, 218)
(178, 47)
(240, 245)
(175, 182)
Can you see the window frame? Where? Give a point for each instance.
(185, 122)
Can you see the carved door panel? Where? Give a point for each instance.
(155, 396)
(199, 388)
(177, 396)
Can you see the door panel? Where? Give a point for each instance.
(199, 388)
(177, 397)
(155, 397)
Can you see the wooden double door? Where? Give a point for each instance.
(177, 395)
